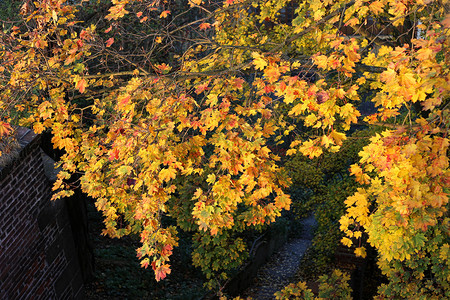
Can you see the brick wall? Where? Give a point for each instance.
(37, 252)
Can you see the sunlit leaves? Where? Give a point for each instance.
(192, 135)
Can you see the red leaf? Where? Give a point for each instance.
(83, 34)
(161, 272)
(109, 42)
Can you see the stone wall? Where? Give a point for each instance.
(38, 259)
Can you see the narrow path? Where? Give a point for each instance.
(276, 273)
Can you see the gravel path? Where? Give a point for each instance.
(276, 273)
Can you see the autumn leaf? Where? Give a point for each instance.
(204, 26)
(259, 61)
(164, 14)
(163, 68)
(124, 170)
(109, 42)
(202, 144)
(360, 252)
(346, 241)
(194, 2)
(321, 61)
(5, 128)
(81, 85)
(161, 272)
(376, 7)
(116, 12)
(167, 174)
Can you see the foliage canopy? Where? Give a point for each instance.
(173, 109)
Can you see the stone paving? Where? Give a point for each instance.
(282, 266)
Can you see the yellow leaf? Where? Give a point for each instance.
(376, 7)
(338, 137)
(321, 61)
(259, 61)
(360, 252)
(346, 241)
(326, 141)
(194, 2)
(167, 174)
(124, 170)
(211, 178)
(164, 14)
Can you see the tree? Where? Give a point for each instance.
(175, 119)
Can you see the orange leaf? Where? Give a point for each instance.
(204, 26)
(81, 85)
(446, 21)
(5, 128)
(164, 14)
(109, 42)
(161, 272)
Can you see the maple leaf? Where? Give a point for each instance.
(81, 85)
(338, 137)
(167, 174)
(116, 12)
(352, 22)
(5, 128)
(326, 141)
(144, 263)
(446, 21)
(321, 61)
(360, 252)
(109, 42)
(193, 3)
(259, 61)
(388, 75)
(424, 53)
(204, 26)
(163, 68)
(124, 170)
(376, 7)
(346, 241)
(272, 72)
(164, 14)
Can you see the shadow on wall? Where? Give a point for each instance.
(38, 255)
